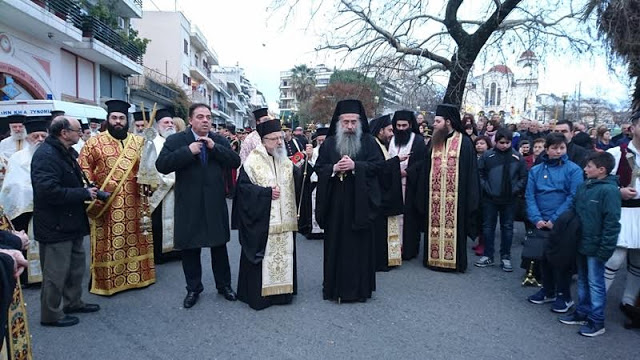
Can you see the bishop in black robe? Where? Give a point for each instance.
(446, 230)
(347, 204)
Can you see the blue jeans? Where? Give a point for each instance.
(592, 294)
(490, 212)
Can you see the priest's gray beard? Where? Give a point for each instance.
(166, 132)
(439, 137)
(279, 153)
(19, 136)
(348, 143)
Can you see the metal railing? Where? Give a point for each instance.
(96, 29)
(138, 2)
(151, 85)
(67, 10)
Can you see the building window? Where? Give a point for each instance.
(186, 47)
(284, 82)
(486, 97)
(196, 62)
(499, 96)
(492, 99)
(186, 80)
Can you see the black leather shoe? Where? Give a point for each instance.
(87, 308)
(191, 299)
(64, 322)
(228, 293)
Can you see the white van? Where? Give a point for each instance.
(43, 108)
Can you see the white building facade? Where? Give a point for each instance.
(53, 49)
(502, 90)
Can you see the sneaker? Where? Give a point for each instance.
(506, 265)
(592, 329)
(561, 305)
(484, 262)
(573, 319)
(541, 297)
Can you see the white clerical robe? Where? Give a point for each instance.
(77, 147)
(164, 194)
(16, 198)
(10, 146)
(396, 150)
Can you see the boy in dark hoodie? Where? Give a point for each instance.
(597, 204)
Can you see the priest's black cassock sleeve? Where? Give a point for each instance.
(413, 223)
(304, 201)
(250, 216)
(391, 205)
(346, 210)
(468, 199)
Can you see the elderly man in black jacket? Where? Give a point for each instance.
(60, 223)
(199, 157)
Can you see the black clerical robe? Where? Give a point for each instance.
(413, 221)
(346, 207)
(391, 205)
(251, 217)
(458, 187)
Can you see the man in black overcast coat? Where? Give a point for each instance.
(199, 158)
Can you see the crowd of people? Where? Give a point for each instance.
(151, 189)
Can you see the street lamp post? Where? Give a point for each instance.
(565, 97)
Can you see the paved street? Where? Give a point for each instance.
(415, 314)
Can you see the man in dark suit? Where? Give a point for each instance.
(199, 157)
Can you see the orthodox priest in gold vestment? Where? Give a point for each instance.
(452, 191)
(121, 252)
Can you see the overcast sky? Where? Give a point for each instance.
(247, 33)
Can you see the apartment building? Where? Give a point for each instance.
(179, 53)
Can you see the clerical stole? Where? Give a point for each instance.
(121, 256)
(442, 219)
(394, 238)
(164, 196)
(17, 344)
(277, 264)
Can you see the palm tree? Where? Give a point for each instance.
(617, 22)
(303, 82)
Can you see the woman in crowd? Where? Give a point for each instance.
(604, 139)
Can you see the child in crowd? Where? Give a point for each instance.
(551, 186)
(482, 144)
(503, 176)
(597, 204)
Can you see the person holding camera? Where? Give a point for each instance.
(199, 158)
(60, 223)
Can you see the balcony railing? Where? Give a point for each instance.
(94, 28)
(153, 82)
(67, 10)
(138, 2)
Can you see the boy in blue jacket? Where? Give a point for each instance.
(597, 204)
(551, 186)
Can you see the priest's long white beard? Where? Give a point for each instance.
(19, 136)
(348, 143)
(280, 153)
(166, 132)
(33, 146)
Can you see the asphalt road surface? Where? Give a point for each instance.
(415, 314)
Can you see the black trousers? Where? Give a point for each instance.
(192, 268)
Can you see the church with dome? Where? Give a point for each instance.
(504, 89)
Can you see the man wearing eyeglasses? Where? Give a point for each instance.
(60, 223)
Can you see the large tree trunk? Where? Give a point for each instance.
(460, 68)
